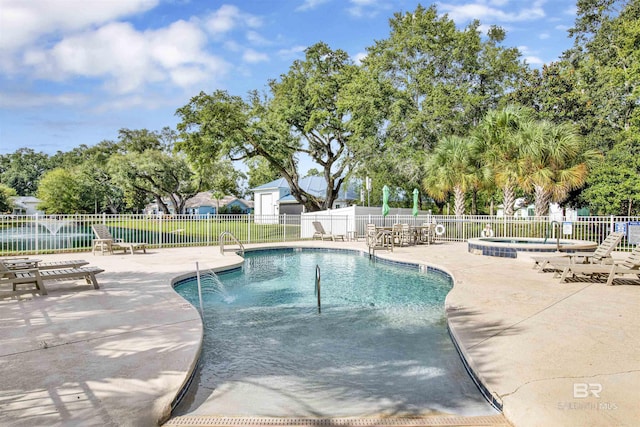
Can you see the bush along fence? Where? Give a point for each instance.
(39, 234)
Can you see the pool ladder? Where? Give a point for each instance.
(221, 240)
(318, 287)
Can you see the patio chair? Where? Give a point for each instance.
(106, 242)
(321, 234)
(379, 238)
(629, 265)
(427, 233)
(601, 255)
(37, 276)
(401, 234)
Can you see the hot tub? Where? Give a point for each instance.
(508, 247)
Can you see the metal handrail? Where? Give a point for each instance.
(556, 225)
(318, 287)
(234, 238)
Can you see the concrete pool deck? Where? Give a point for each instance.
(551, 353)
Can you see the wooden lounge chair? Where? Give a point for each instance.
(601, 255)
(106, 242)
(21, 263)
(629, 265)
(36, 276)
(321, 234)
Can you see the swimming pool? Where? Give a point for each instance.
(380, 346)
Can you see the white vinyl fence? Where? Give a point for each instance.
(72, 233)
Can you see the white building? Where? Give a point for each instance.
(26, 205)
(274, 198)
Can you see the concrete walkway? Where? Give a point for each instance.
(552, 354)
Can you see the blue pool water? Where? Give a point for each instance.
(380, 345)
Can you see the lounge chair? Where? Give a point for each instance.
(601, 255)
(21, 263)
(629, 265)
(37, 276)
(321, 234)
(106, 242)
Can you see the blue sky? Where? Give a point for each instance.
(76, 71)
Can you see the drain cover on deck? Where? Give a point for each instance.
(202, 421)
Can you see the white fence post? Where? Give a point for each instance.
(37, 230)
(612, 227)
(249, 228)
(284, 232)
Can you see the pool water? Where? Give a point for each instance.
(379, 346)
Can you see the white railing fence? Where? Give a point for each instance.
(72, 233)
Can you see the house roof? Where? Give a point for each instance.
(205, 198)
(314, 185)
(25, 199)
(22, 202)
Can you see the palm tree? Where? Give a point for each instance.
(554, 162)
(450, 169)
(497, 138)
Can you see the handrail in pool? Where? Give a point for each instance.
(318, 287)
(555, 225)
(234, 238)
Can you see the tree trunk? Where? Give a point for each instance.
(474, 202)
(458, 201)
(161, 204)
(508, 199)
(542, 200)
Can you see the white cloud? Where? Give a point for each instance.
(533, 60)
(24, 22)
(256, 38)
(543, 36)
(358, 57)
(367, 8)
(292, 52)
(229, 18)
(310, 4)
(130, 59)
(529, 56)
(491, 13)
(251, 56)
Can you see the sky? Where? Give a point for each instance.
(75, 72)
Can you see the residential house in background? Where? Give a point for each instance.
(556, 212)
(26, 205)
(274, 198)
(205, 203)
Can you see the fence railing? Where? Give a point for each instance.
(72, 233)
(462, 228)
